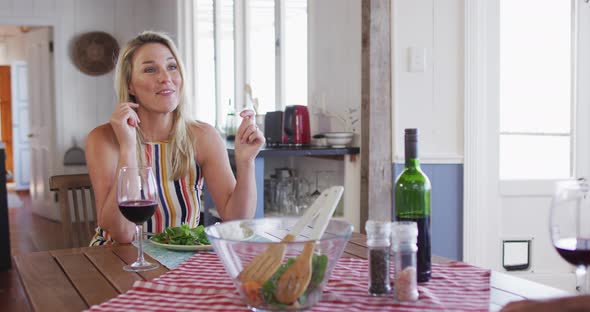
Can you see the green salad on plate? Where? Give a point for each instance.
(182, 235)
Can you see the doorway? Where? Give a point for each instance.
(530, 143)
(18, 52)
(6, 119)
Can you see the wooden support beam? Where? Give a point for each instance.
(376, 112)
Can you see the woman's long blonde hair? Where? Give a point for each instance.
(180, 150)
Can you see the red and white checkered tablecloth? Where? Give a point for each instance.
(201, 284)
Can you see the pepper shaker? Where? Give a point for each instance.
(378, 243)
(404, 248)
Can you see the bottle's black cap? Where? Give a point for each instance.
(411, 131)
(411, 134)
(411, 143)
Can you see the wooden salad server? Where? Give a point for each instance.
(293, 283)
(265, 264)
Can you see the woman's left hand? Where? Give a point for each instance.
(248, 139)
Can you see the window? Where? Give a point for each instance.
(536, 88)
(295, 44)
(205, 62)
(261, 52)
(225, 61)
(262, 43)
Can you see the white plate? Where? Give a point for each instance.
(183, 247)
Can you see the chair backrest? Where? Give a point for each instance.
(78, 213)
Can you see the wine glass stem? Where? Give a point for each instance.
(139, 235)
(582, 279)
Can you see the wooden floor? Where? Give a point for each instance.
(28, 233)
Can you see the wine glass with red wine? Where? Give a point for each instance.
(137, 199)
(570, 226)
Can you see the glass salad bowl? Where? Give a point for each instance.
(255, 246)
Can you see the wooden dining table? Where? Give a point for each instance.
(75, 279)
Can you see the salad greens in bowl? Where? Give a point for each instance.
(236, 252)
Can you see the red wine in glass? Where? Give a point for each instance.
(574, 251)
(137, 198)
(138, 211)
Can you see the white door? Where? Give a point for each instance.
(20, 125)
(41, 85)
(537, 128)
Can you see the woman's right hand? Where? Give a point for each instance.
(124, 120)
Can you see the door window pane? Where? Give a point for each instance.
(295, 42)
(534, 157)
(261, 53)
(535, 86)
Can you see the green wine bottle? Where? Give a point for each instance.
(412, 201)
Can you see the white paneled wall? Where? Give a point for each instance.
(82, 101)
(431, 100)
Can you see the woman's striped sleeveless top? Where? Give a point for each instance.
(179, 200)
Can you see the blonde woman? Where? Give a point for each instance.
(149, 127)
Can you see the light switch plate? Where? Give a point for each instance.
(416, 59)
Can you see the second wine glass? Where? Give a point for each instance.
(137, 198)
(569, 227)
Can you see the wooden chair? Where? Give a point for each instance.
(78, 215)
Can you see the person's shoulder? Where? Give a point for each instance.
(208, 141)
(102, 134)
(202, 130)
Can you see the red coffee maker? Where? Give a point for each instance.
(296, 125)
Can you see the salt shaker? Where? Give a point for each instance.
(378, 241)
(404, 236)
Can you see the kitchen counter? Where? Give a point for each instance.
(351, 197)
(299, 151)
